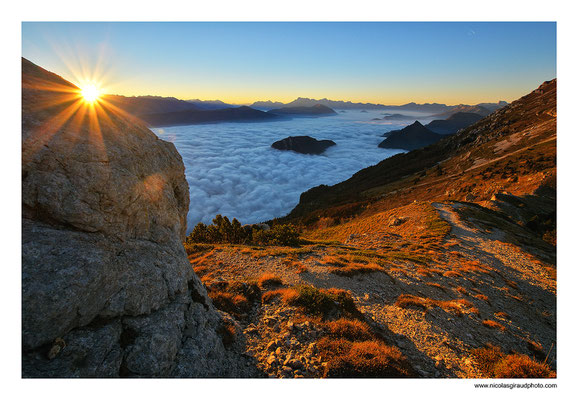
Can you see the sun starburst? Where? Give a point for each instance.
(90, 93)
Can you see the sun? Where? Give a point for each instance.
(90, 93)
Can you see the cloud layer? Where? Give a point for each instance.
(232, 169)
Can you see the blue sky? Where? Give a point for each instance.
(390, 63)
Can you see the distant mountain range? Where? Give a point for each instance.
(432, 108)
(316, 110)
(190, 117)
(145, 107)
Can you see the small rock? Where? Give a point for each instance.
(286, 370)
(58, 345)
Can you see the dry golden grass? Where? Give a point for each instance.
(495, 364)
(493, 324)
(473, 266)
(461, 290)
(436, 285)
(457, 307)
(321, 302)
(353, 330)
(408, 300)
(482, 297)
(356, 269)
(501, 314)
(333, 261)
(522, 366)
(452, 274)
(202, 259)
(366, 359)
(295, 265)
(229, 302)
(423, 272)
(287, 295)
(269, 279)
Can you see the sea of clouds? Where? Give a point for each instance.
(232, 169)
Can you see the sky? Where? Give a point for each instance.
(241, 62)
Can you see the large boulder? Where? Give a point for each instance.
(107, 289)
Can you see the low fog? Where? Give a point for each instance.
(232, 169)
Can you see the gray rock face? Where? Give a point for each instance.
(107, 289)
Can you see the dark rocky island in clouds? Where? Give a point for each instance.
(303, 144)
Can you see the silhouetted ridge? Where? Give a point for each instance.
(237, 114)
(317, 109)
(411, 137)
(453, 123)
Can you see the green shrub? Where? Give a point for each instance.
(222, 230)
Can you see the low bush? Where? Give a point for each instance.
(366, 359)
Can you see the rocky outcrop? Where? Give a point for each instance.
(303, 144)
(107, 289)
(411, 137)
